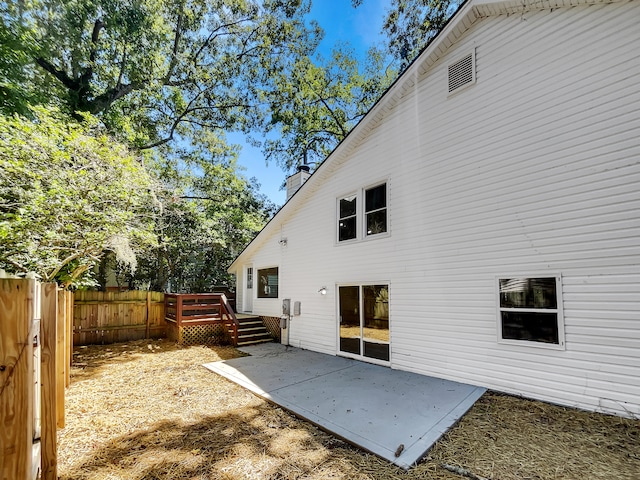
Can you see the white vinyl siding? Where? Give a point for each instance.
(534, 169)
(462, 73)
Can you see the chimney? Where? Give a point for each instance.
(295, 181)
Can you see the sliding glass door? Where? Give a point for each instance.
(364, 321)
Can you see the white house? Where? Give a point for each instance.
(482, 222)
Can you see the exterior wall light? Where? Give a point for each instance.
(323, 291)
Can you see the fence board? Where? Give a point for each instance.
(61, 364)
(48, 373)
(16, 375)
(109, 317)
(68, 322)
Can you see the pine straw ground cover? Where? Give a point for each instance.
(148, 410)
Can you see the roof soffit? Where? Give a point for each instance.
(468, 14)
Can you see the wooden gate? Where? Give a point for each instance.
(35, 355)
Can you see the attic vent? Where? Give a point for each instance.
(462, 73)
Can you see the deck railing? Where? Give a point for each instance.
(190, 310)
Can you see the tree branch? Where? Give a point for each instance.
(97, 26)
(174, 51)
(59, 74)
(17, 265)
(87, 74)
(124, 62)
(333, 115)
(64, 262)
(104, 101)
(180, 118)
(214, 34)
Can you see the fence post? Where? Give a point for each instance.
(49, 340)
(16, 375)
(147, 333)
(69, 323)
(61, 366)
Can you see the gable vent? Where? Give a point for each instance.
(462, 73)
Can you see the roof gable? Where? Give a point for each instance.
(469, 13)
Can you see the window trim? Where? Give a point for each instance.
(362, 357)
(561, 345)
(249, 279)
(257, 282)
(361, 214)
(338, 217)
(365, 235)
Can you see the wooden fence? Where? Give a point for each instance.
(35, 356)
(110, 317)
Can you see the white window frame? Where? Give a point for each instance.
(256, 280)
(249, 279)
(558, 311)
(361, 357)
(365, 235)
(338, 217)
(361, 214)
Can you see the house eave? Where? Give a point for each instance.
(467, 15)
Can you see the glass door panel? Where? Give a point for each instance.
(364, 321)
(376, 321)
(350, 331)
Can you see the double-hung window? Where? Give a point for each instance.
(530, 310)
(375, 210)
(347, 218)
(363, 214)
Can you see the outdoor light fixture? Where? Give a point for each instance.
(283, 242)
(323, 291)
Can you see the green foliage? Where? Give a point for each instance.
(158, 71)
(68, 193)
(204, 225)
(169, 78)
(317, 104)
(411, 24)
(17, 48)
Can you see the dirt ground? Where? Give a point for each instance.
(149, 410)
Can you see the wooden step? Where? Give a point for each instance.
(251, 330)
(255, 342)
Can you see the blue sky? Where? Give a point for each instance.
(359, 27)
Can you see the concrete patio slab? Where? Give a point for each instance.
(396, 415)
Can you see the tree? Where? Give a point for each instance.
(168, 78)
(411, 24)
(204, 225)
(68, 194)
(16, 51)
(161, 70)
(317, 104)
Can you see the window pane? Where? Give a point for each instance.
(268, 283)
(376, 321)
(528, 293)
(349, 298)
(376, 198)
(376, 313)
(347, 229)
(347, 206)
(377, 222)
(533, 326)
(376, 350)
